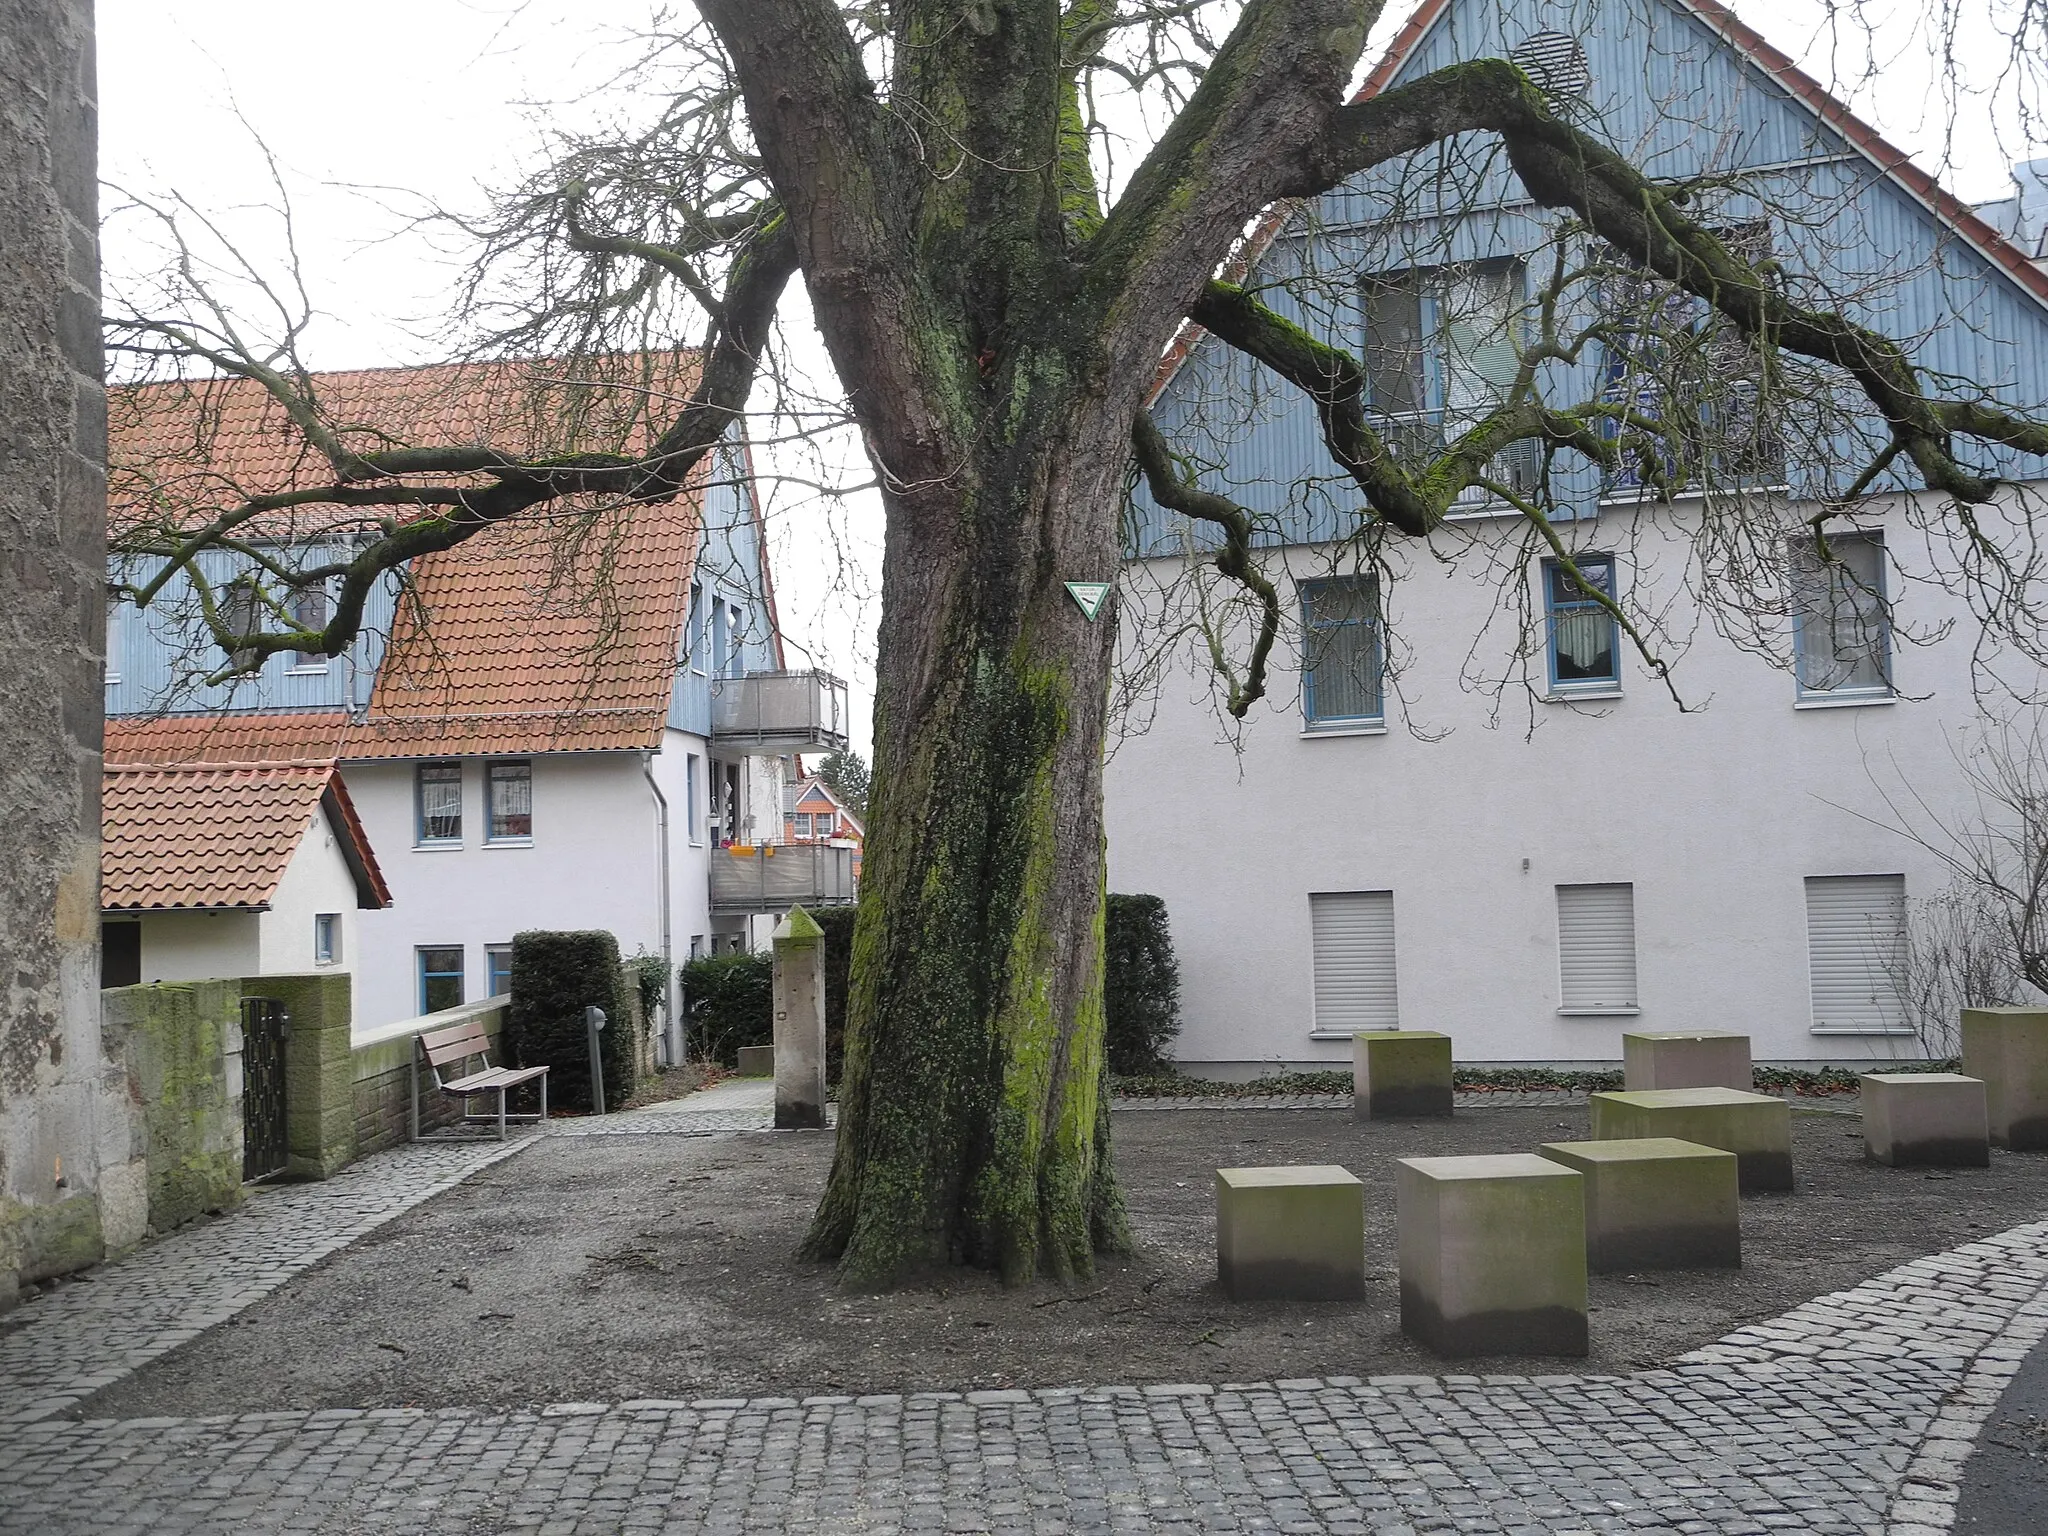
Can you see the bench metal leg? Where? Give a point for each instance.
(501, 1114)
(413, 1128)
(543, 1098)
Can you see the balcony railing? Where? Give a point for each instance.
(779, 712)
(771, 877)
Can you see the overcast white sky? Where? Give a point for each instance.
(426, 96)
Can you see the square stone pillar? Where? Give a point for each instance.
(1400, 1074)
(1925, 1120)
(2008, 1049)
(799, 1023)
(1687, 1058)
(1653, 1202)
(1493, 1255)
(1290, 1233)
(1756, 1127)
(319, 1076)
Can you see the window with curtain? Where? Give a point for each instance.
(1340, 682)
(440, 977)
(311, 608)
(1584, 652)
(508, 788)
(1442, 345)
(439, 791)
(1841, 629)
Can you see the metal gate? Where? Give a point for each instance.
(263, 1138)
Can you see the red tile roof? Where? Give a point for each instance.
(178, 740)
(202, 444)
(214, 837)
(556, 632)
(1746, 40)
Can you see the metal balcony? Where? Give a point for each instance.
(776, 712)
(772, 877)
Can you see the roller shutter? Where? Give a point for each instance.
(1354, 961)
(1855, 927)
(1596, 947)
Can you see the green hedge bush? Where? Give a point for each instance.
(1140, 986)
(728, 1002)
(555, 976)
(838, 925)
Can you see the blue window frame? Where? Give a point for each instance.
(498, 969)
(440, 977)
(693, 798)
(1342, 656)
(1841, 623)
(1584, 646)
(438, 801)
(508, 801)
(693, 637)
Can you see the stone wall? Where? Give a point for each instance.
(71, 1164)
(319, 1104)
(383, 1092)
(182, 1046)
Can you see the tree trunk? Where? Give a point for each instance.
(974, 1120)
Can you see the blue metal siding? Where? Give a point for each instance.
(1681, 103)
(730, 563)
(163, 661)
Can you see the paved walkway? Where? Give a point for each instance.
(1853, 1413)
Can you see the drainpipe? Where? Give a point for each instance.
(668, 960)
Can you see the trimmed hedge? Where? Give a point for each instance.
(555, 976)
(728, 1002)
(838, 925)
(1140, 986)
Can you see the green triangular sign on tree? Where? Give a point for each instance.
(1089, 594)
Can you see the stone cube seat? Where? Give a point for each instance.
(1654, 1202)
(1756, 1127)
(757, 1061)
(1400, 1074)
(1493, 1254)
(1688, 1058)
(1925, 1120)
(2008, 1049)
(1290, 1233)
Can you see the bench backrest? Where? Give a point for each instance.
(455, 1047)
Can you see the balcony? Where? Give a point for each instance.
(777, 712)
(772, 877)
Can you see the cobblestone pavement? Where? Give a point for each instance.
(68, 1344)
(1852, 1413)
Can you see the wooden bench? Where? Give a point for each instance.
(465, 1051)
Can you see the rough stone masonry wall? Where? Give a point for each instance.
(71, 1174)
(182, 1045)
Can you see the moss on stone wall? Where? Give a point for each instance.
(176, 1042)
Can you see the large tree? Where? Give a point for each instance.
(995, 294)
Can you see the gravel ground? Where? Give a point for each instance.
(621, 1267)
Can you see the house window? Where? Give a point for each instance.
(508, 801)
(1442, 346)
(240, 616)
(440, 978)
(326, 938)
(696, 946)
(114, 627)
(1596, 948)
(803, 824)
(1676, 362)
(721, 639)
(1352, 940)
(498, 969)
(1840, 629)
(693, 796)
(693, 637)
(1583, 634)
(440, 802)
(1855, 944)
(1340, 683)
(120, 953)
(311, 609)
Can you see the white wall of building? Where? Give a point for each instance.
(317, 880)
(1472, 819)
(592, 862)
(200, 946)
